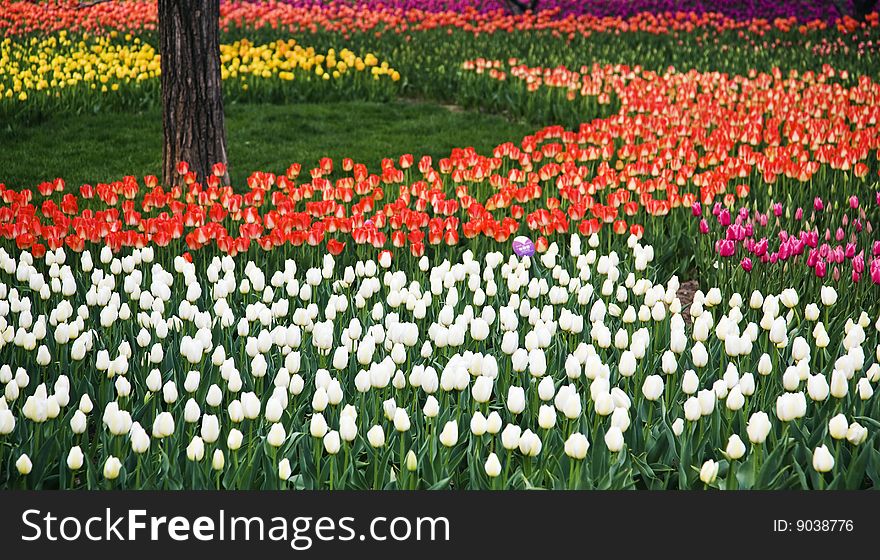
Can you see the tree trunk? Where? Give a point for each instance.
(192, 98)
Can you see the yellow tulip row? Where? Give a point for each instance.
(56, 63)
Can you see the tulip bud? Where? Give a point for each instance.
(75, 458)
(412, 462)
(77, 423)
(765, 366)
(823, 461)
(376, 436)
(678, 426)
(709, 471)
(652, 388)
(839, 384)
(140, 441)
(479, 424)
(692, 409)
(401, 420)
(516, 399)
(865, 389)
(332, 442)
(838, 426)
(111, 468)
(510, 437)
(493, 422)
(191, 412)
(347, 428)
(284, 470)
(758, 427)
(828, 295)
(576, 446)
(431, 408)
(218, 461)
(318, 425)
(163, 425)
(195, 451)
(690, 383)
(449, 435)
(735, 447)
(546, 390)
(482, 389)
(546, 417)
(735, 399)
(614, 439)
(492, 466)
(706, 399)
(234, 439)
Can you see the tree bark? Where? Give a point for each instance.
(192, 96)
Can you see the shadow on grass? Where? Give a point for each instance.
(262, 137)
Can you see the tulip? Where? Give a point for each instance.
(838, 426)
(218, 461)
(652, 388)
(195, 451)
(317, 425)
(546, 417)
(493, 423)
(75, 458)
(614, 439)
(234, 439)
(478, 424)
(758, 427)
(735, 448)
(708, 472)
(839, 385)
(822, 459)
(449, 435)
(856, 434)
(678, 426)
(284, 470)
(576, 446)
(432, 407)
(332, 442)
(482, 389)
(690, 383)
(492, 466)
(376, 436)
(510, 437)
(516, 399)
(277, 435)
(401, 420)
(112, 466)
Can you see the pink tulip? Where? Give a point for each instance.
(777, 209)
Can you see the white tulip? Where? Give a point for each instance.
(823, 461)
(576, 446)
(376, 436)
(735, 447)
(709, 471)
(614, 439)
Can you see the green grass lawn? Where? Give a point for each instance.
(107, 146)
